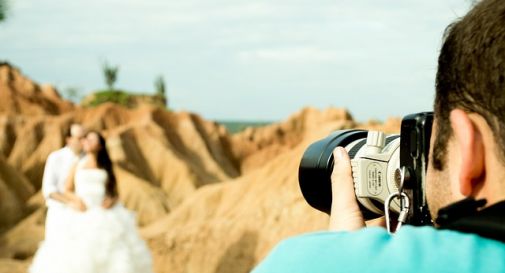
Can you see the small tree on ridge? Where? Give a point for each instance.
(3, 9)
(159, 85)
(110, 74)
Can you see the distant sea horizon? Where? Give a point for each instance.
(237, 126)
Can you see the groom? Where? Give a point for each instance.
(58, 166)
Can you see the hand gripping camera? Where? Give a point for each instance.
(388, 170)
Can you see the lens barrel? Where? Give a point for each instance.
(316, 166)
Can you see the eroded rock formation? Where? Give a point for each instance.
(206, 201)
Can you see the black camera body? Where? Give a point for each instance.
(381, 165)
(414, 151)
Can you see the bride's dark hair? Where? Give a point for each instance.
(104, 162)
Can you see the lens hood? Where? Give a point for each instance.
(316, 166)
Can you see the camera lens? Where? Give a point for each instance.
(376, 162)
(317, 164)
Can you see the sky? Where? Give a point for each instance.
(239, 59)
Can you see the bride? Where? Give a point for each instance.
(100, 235)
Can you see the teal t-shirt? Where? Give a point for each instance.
(412, 249)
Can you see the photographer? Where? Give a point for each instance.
(465, 180)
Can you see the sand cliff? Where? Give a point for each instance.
(206, 201)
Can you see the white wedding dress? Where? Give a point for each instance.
(95, 241)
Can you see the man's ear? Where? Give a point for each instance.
(469, 141)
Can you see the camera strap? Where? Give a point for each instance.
(402, 174)
(470, 216)
(404, 210)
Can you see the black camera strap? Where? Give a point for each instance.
(466, 216)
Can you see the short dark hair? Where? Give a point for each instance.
(471, 74)
(68, 131)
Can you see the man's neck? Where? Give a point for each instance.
(76, 153)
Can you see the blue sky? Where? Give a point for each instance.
(240, 59)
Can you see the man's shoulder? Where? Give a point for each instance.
(408, 234)
(413, 249)
(58, 153)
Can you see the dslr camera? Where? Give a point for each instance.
(383, 166)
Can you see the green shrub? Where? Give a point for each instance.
(126, 99)
(118, 97)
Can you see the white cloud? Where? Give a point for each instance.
(215, 49)
(295, 55)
